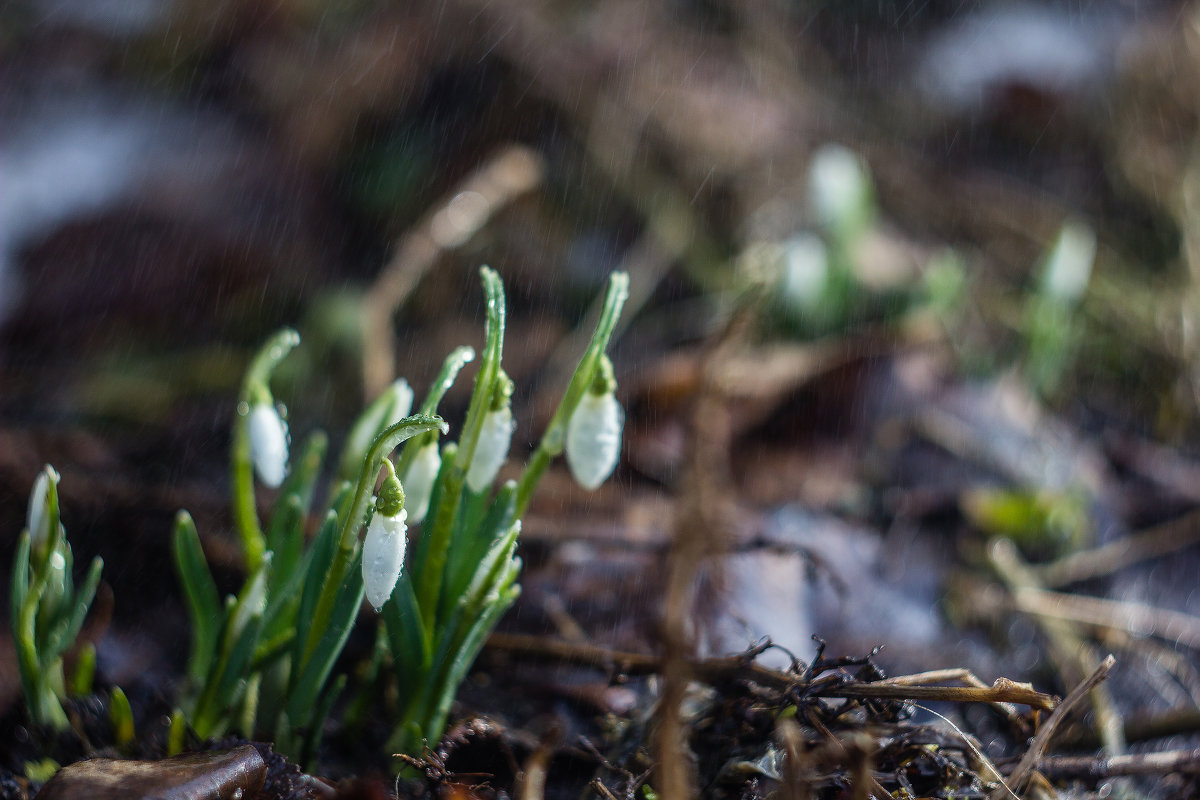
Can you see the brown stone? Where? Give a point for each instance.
(235, 774)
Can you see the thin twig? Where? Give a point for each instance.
(1136, 764)
(795, 785)
(1161, 540)
(1041, 740)
(1073, 657)
(1136, 619)
(451, 222)
(864, 779)
(531, 781)
(719, 670)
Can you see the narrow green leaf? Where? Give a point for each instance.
(471, 544)
(121, 715)
(407, 639)
(176, 733)
(19, 583)
(464, 657)
(313, 674)
(200, 593)
(231, 683)
(318, 566)
(85, 671)
(316, 727)
(83, 601)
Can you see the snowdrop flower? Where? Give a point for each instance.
(839, 187)
(383, 556)
(268, 444)
(1069, 265)
(495, 436)
(383, 550)
(594, 432)
(805, 271)
(37, 520)
(421, 475)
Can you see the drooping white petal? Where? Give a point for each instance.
(419, 479)
(495, 436)
(383, 556)
(594, 439)
(268, 444)
(395, 402)
(403, 402)
(37, 520)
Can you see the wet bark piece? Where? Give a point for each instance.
(235, 774)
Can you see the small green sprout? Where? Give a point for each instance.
(1051, 330)
(46, 610)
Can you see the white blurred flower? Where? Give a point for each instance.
(268, 444)
(839, 188)
(495, 436)
(419, 480)
(37, 520)
(1069, 265)
(383, 556)
(805, 271)
(594, 438)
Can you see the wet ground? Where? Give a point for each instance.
(179, 179)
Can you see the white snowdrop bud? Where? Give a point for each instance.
(419, 479)
(383, 556)
(37, 520)
(403, 402)
(495, 436)
(1069, 265)
(594, 438)
(838, 185)
(268, 444)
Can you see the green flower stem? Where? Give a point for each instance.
(554, 438)
(429, 579)
(385, 443)
(489, 368)
(255, 389)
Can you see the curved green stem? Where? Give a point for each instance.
(429, 581)
(551, 444)
(385, 443)
(489, 367)
(255, 389)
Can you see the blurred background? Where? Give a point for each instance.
(934, 265)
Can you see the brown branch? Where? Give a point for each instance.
(1041, 740)
(452, 222)
(1064, 767)
(718, 670)
(1072, 656)
(1135, 619)
(1160, 540)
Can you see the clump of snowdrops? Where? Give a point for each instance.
(262, 662)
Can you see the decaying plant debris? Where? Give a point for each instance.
(888, 483)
